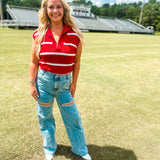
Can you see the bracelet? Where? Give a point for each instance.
(32, 82)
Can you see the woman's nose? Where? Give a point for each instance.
(55, 10)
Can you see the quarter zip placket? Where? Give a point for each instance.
(52, 37)
(60, 38)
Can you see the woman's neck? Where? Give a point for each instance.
(57, 27)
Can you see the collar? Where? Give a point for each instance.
(65, 29)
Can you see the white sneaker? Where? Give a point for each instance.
(49, 157)
(87, 157)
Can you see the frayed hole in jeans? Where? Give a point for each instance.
(68, 104)
(45, 104)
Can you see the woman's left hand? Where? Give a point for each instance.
(72, 89)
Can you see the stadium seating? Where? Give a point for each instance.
(110, 25)
(23, 16)
(90, 23)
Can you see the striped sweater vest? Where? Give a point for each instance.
(58, 57)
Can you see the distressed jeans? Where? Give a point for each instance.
(55, 86)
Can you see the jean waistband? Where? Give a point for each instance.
(50, 74)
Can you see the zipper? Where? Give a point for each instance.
(52, 37)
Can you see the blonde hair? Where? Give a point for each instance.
(45, 23)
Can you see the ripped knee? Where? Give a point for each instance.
(68, 104)
(45, 104)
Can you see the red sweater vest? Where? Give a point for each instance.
(58, 57)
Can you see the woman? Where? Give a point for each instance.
(56, 48)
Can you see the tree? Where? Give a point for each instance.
(89, 3)
(15, 2)
(106, 5)
(130, 13)
(152, 1)
(4, 2)
(158, 27)
(32, 3)
(102, 11)
(95, 10)
(151, 15)
(79, 1)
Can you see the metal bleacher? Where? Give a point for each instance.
(111, 25)
(28, 17)
(23, 16)
(90, 23)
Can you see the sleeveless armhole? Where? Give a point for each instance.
(35, 34)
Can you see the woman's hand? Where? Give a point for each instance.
(72, 89)
(33, 91)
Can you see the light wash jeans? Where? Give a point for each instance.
(50, 86)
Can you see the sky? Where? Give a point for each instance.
(101, 2)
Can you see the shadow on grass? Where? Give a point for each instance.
(99, 153)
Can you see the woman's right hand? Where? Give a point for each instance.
(34, 92)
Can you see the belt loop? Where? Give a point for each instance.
(43, 72)
(68, 75)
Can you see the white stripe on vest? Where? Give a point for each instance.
(70, 44)
(57, 53)
(72, 34)
(55, 64)
(46, 43)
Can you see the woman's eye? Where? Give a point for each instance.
(58, 6)
(50, 7)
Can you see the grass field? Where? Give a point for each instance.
(118, 96)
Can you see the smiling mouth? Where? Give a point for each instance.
(55, 15)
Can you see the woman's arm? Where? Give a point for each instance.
(76, 69)
(33, 70)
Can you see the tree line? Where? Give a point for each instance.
(150, 17)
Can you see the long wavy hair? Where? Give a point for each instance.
(45, 23)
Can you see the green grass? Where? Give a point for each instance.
(118, 97)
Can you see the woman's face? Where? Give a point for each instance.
(55, 10)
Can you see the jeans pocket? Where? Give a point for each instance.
(65, 83)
